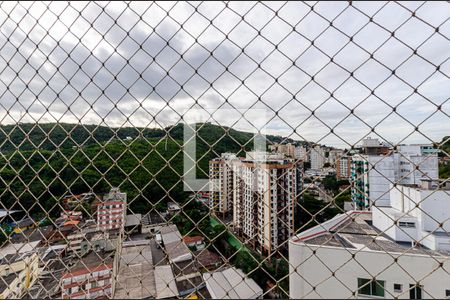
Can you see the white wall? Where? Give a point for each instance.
(381, 175)
(436, 204)
(386, 221)
(310, 270)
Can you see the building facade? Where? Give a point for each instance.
(347, 257)
(420, 214)
(89, 278)
(371, 175)
(18, 272)
(221, 183)
(317, 157)
(333, 156)
(264, 199)
(288, 149)
(343, 167)
(301, 153)
(112, 210)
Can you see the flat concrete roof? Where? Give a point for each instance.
(18, 248)
(176, 249)
(136, 276)
(166, 286)
(231, 283)
(133, 220)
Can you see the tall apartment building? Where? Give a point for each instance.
(333, 156)
(111, 210)
(401, 251)
(286, 149)
(301, 153)
(221, 183)
(317, 157)
(371, 175)
(373, 146)
(343, 167)
(265, 198)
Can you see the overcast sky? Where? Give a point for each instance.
(145, 64)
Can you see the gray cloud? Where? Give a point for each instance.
(137, 65)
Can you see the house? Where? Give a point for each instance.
(207, 260)
(173, 208)
(24, 224)
(41, 234)
(196, 242)
(176, 250)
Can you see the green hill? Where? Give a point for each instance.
(40, 163)
(52, 136)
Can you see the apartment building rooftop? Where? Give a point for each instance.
(94, 261)
(354, 230)
(14, 257)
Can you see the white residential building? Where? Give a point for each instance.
(264, 199)
(317, 157)
(348, 257)
(371, 175)
(333, 156)
(417, 214)
(221, 183)
(301, 153)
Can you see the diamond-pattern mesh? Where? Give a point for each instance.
(96, 99)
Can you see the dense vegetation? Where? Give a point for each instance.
(52, 136)
(444, 169)
(40, 164)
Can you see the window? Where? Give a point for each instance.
(447, 294)
(407, 224)
(370, 287)
(415, 291)
(398, 288)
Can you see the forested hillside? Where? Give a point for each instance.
(40, 163)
